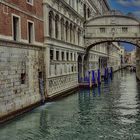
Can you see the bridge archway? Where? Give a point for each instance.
(111, 27)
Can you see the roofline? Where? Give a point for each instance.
(125, 16)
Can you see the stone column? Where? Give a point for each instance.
(47, 65)
(73, 56)
(76, 37)
(80, 39)
(69, 33)
(60, 55)
(64, 31)
(46, 11)
(69, 56)
(53, 26)
(138, 63)
(54, 56)
(72, 30)
(59, 29)
(75, 5)
(82, 66)
(79, 5)
(65, 56)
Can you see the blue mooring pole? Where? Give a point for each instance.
(93, 76)
(105, 74)
(111, 72)
(89, 77)
(98, 78)
(85, 78)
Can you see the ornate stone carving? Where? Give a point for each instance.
(60, 83)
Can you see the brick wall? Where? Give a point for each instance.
(17, 58)
(33, 13)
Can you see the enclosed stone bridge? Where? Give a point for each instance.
(112, 27)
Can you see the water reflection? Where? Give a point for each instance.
(110, 111)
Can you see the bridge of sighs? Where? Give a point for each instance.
(111, 27)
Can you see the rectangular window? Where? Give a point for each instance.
(57, 55)
(71, 56)
(51, 54)
(16, 32)
(72, 69)
(124, 29)
(23, 77)
(30, 2)
(102, 30)
(30, 32)
(67, 56)
(62, 56)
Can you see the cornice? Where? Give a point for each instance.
(66, 6)
(15, 44)
(71, 9)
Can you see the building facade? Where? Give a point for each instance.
(21, 54)
(63, 41)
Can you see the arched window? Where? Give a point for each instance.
(51, 15)
(85, 11)
(67, 30)
(74, 31)
(56, 26)
(62, 29)
(79, 31)
(71, 33)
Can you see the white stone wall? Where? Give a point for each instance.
(13, 61)
(62, 73)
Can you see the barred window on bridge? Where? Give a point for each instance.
(102, 30)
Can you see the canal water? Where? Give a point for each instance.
(109, 112)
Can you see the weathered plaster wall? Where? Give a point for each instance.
(14, 61)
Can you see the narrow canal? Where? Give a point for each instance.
(109, 112)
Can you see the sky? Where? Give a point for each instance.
(126, 6)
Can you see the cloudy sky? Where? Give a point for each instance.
(126, 6)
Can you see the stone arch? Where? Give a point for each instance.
(86, 57)
(112, 27)
(133, 42)
(117, 28)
